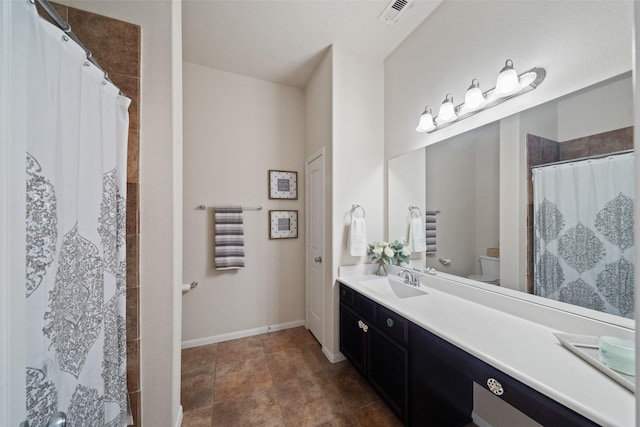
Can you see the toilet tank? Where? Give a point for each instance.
(490, 267)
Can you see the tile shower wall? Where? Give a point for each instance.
(116, 46)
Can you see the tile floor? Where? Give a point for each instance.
(276, 379)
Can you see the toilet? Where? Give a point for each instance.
(490, 268)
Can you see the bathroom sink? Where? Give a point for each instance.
(391, 287)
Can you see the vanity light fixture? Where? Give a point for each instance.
(508, 85)
(426, 121)
(507, 80)
(447, 111)
(474, 98)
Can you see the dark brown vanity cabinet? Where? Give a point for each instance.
(426, 380)
(374, 340)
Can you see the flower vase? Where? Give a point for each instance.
(382, 268)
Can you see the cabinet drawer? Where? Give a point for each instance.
(392, 324)
(346, 295)
(364, 307)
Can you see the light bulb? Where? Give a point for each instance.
(447, 111)
(507, 79)
(426, 121)
(474, 97)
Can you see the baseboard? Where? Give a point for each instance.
(241, 334)
(333, 357)
(479, 421)
(179, 419)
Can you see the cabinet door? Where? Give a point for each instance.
(440, 394)
(387, 367)
(352, 338)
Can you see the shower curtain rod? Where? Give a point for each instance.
(595, 156)
(64, 26)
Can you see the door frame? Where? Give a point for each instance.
(308, 161)
(12, 223)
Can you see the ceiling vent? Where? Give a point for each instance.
(393, 10)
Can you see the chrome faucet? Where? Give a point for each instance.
(409, 278)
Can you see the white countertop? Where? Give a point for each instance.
(525, 350)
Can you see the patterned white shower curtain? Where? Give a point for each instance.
(76, 184)
(583, 233)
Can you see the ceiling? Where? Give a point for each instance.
(283, 41)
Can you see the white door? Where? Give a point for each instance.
(12, 219)
(315, 245)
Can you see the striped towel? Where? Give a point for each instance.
(430, 221)
(229, 238)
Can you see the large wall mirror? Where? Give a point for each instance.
(459, 179)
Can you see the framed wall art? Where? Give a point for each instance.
(283, 224)
(283, 185)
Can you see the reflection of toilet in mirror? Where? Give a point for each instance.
(490, 268)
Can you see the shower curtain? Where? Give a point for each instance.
(583, 233)
(75, 226)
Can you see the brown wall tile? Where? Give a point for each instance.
(63, 11)
(133, 365)
(133, 261)
(133, 209)
(133, 310)
(115, 44)
(130, 87)
(135, 399)
(133, 150)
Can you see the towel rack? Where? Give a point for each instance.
(354, 208)
(244, 208)
(412, 209)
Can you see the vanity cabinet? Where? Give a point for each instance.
(424, 379)
(374, 340)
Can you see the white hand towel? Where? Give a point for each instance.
(417, 238)
(358, 237)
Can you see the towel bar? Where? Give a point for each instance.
(244, 208)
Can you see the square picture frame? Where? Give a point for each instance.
(283, 224)
(283, 185)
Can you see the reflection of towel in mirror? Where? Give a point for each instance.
(357, 237)
(417, 240)
(430, 221)
(229, 238)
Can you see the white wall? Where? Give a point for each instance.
(462, 182)
(345, 115)
(358, 156)
(596, 110)
(406, 185)
(578, 43)
(160, 127)
(237, 128)
(318, 136)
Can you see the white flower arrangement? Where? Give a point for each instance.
(395, 252)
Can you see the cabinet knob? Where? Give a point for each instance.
(365, 327)
(390, 322)
(318, 259)
(360, 324)
(495, 387)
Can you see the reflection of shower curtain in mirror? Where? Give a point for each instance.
(583, 233)
(75, 233)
